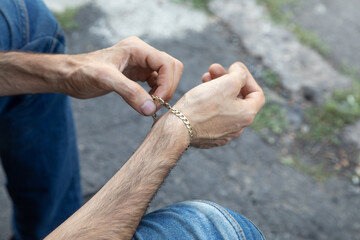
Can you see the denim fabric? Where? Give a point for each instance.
(201, 220)
(37, 134)
(27, 25)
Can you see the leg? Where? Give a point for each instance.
(37, 134)
(196, 220)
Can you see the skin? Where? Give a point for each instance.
(218, 109)
(114, 69)
(116, 210)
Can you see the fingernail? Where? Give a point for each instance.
(148, 108)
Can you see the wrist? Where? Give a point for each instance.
(174, 130)
(65, 66)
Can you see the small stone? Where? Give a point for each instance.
(344, 162)
(337, 167)
(329, 155)
(351, 134)
(305, 129)
(355, 179)
(357, 170)
(342, 153)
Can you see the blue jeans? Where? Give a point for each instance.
(39, 154)
(196, 220)
(37, 135)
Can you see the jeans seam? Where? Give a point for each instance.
(228, 217)
(25, 18)
(9, 27)
(55, 39)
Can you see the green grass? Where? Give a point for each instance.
(271, 79)
(318, 171)
(350, 72)
(272, 117)
(198, 4)
(280, 16)
(66, 18)
(310, 39)
(276, 9)
(341, 109)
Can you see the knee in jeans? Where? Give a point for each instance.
(203, 219)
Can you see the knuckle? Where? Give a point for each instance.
(130, 42)
(241, 64)
(173, 63)
(181, 65)
(133, 38)
(241, 73)
(164, 54)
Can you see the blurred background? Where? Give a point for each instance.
(296, 171)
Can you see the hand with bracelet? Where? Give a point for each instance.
(221, 107)
(218, 110)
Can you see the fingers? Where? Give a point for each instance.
(168, 68)
(152, 80)
(237, 77)
(206, 77)
(133, 94)
(255, 101)
(239, 81)
(228, 83)
(247, 87)
(166, 85)
(252, 92)
(215, 71)
(251, 85)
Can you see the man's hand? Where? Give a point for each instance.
(222, 106)
(119, 67)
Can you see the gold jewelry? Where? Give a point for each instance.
(177, 113)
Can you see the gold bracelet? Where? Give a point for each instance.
(177, 113)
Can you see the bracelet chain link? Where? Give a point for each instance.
(177, 113)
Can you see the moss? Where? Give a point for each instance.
(198, 4)
(310, 39)
(272, 117)
(341, 109)
(276, 9)
(66, 18)
(280, 16)
(318, 171)
(271, 79)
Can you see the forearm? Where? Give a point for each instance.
(26, 73)
(115, 211)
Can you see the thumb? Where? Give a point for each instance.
(238, 68)
(237, 77)
(136, 96)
